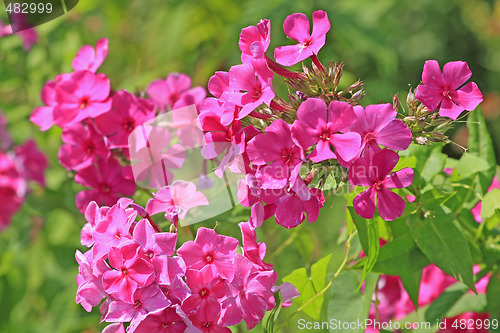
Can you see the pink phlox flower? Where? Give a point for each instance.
(33, 161)
(11, 203)
(377, 125)
(218, 83)
(43, 116)
(11, 176)
(175, 200)
(167, 320)
(89, 58)
(287, 291)
(207, 290)
(82, 147)
(250, 85)
(127, 112)
(93, 214)
(154, 244)
(251, 296)
(144, 300)
(276, 147)
(254, 251)
(110, 229)
(108, 180)
(176, 290)
(89, 280)
(114, 328)
(81, 95)
(254, 41)
(325, 128)
(226, 141)
(296, 26)
(176, 88)
(212, 250)
(153, 157)
(206, 324)
(376, 175)
(129, 273)
(443, 91)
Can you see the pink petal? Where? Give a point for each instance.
(432, 75)
(450, 109)
(322, 152)
(321, 24)
(289, 212)
(346, 145)
(468, 97)
(430, 96)
(455, 74)
(304, 134)
(390, 205)
(395, 135)
(364, 204)
(399, 179)
(341, 115)
(382, 163)
(288, 55)
(296, 26)
(311, 110)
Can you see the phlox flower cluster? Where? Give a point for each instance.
(288, 147)
(137, 275)
(97, 121)
(18, 165)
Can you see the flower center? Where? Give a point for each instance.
(124, 271)
(84, 101)
(204, 292)
(209, 258)
(104, 188)
(378, 185)
(89, 147)
(137, 304)
(446, 94)
(207, 324)
(369, 137)
(287, 155)
(129, 124)
(324, 134)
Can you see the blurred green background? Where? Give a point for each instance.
(385, 43)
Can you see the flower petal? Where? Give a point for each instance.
(390, 205)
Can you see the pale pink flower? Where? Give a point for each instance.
(174, 92)
(254, 41)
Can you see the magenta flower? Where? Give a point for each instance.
(226, 140)
(114, 328)
(11, 203)
(107, 181)
(127, 112)
(89, 280)
(83, 146)
(254, 251)
(89, 59)
(218, 83)
(165, 320)
(375, 174)
(254, 41)
(174, 92)
(33, 161)
(207, 325)
(144, 300)
(317, 125)
(206, 292)
(81, 95)
(43, 116)
(296, 26)
(277, 147)
(130, 273)
(377, 125)
(212, 250)
(154, 244)
(250, 86)
(175, 200)
(441, 91)
(252, 295)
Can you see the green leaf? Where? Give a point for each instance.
(493, 295)
(434, 164)
(369, 238)
(481, 145)
(348, 304)
(491, 202)
(443, 243)
(470, 164)
(406, 162)
(309, 287)
(440, 307)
